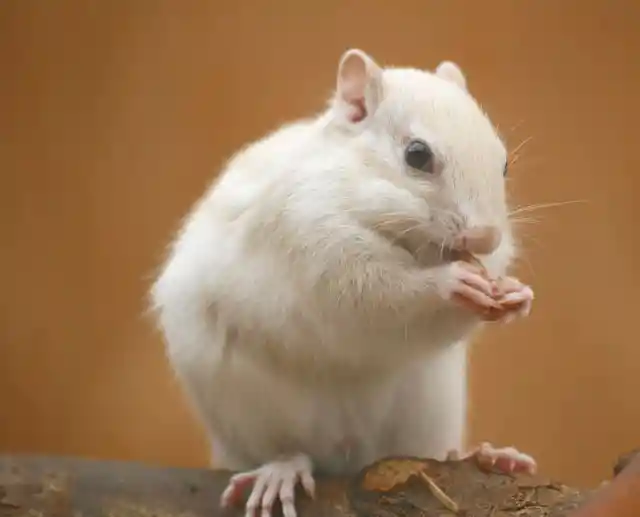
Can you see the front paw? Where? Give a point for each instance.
(515, 300)
(468, 286)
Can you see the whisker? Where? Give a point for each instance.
(383, 224)
(524, 220)
(420, 248)
(516, 126)
(521, 145)
(539, 206)
(513, 160)
(401, 234)
(396, 217)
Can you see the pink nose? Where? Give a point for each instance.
(479, 239)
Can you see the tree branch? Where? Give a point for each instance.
(408, 487)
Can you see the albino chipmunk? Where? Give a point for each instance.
(314, 306)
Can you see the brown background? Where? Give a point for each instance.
(115, 115)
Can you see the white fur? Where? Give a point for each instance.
(292, 316)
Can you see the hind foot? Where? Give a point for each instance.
(507, 460)
(271, 482)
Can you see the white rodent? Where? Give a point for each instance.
(312, 304)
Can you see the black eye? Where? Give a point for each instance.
(506, 169)
(418, 155)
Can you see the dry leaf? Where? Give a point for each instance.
(388, 474)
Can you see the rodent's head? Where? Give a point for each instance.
(436, 162)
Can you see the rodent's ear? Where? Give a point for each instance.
(451, 72)
(359, 87)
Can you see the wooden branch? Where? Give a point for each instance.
(60, 487)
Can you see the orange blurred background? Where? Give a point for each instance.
(115, 115)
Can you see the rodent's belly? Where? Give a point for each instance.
(445, 326)
(349, 432)
(347, 457)
(340, 408)
(431, 331)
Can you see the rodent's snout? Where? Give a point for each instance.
(478, 239)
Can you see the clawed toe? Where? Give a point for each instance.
(237, 484)
(507, 459)
(516, 299)
(271, 483)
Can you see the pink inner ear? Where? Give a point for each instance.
(353, 88)
(358, 110)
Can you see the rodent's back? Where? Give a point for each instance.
(217, 246)
(253, 244)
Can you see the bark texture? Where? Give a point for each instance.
(55, 487)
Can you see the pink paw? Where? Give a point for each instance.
(466, 285)
(271, 482)
(507, 460)
(516, 299)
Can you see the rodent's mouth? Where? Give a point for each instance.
(431, 253)
(441, 255)
(465, 245)
(449, 254)
(425, 250)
